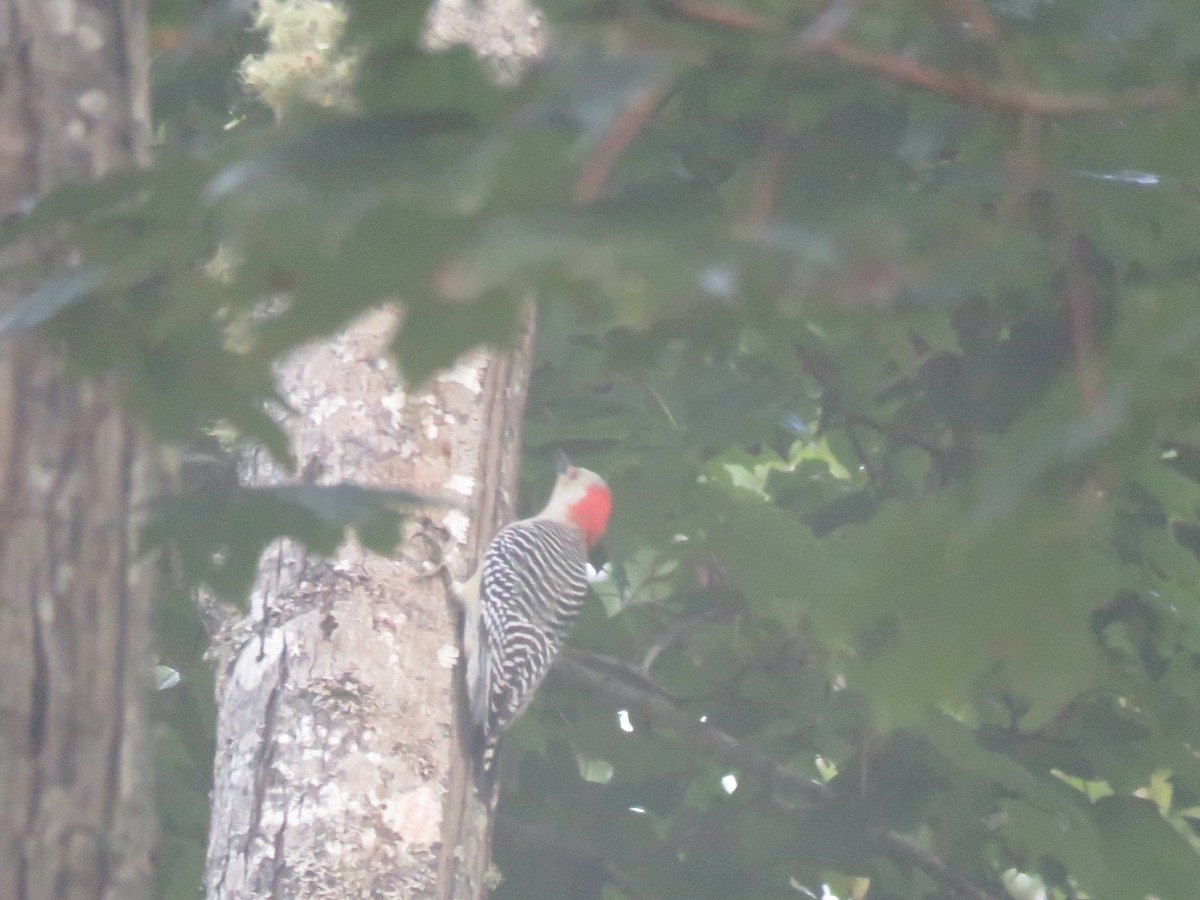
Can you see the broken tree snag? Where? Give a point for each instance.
(337, 770)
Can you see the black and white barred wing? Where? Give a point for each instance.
(533, 584)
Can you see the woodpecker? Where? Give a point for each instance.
(520, 604)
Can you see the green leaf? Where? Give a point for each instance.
(1061, 828)
(435, 335)
(940, 594)
(220, 531)
(1145, 855)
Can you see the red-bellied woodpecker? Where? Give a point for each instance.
(520, 604)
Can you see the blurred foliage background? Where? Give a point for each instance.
(883, 321)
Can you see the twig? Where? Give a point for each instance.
(973, 91)
(663, 406)
(1079, 295)
(714, 14)
(675, 632)
(764, 188)
(1025, 159)
(905, 850)
(600, 164)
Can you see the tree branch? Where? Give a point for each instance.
(971, 90)
(608, 152)
(974, 91)
(622, 683)
(903, 849)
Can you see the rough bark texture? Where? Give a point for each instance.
(338, 771)
(75, 794)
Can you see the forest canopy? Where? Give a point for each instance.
(883, 323)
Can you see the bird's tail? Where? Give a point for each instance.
(485, 760)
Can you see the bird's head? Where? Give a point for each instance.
(582, 498)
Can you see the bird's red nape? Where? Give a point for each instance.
(591, 513)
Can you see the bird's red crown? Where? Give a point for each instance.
(591, 512)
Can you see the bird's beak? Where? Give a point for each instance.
(563, 462)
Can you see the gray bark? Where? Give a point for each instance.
(76, 806)
(338, 770)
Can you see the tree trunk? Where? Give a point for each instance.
(338, 772)
(76, 808)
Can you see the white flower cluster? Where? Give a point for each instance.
(304, 59)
